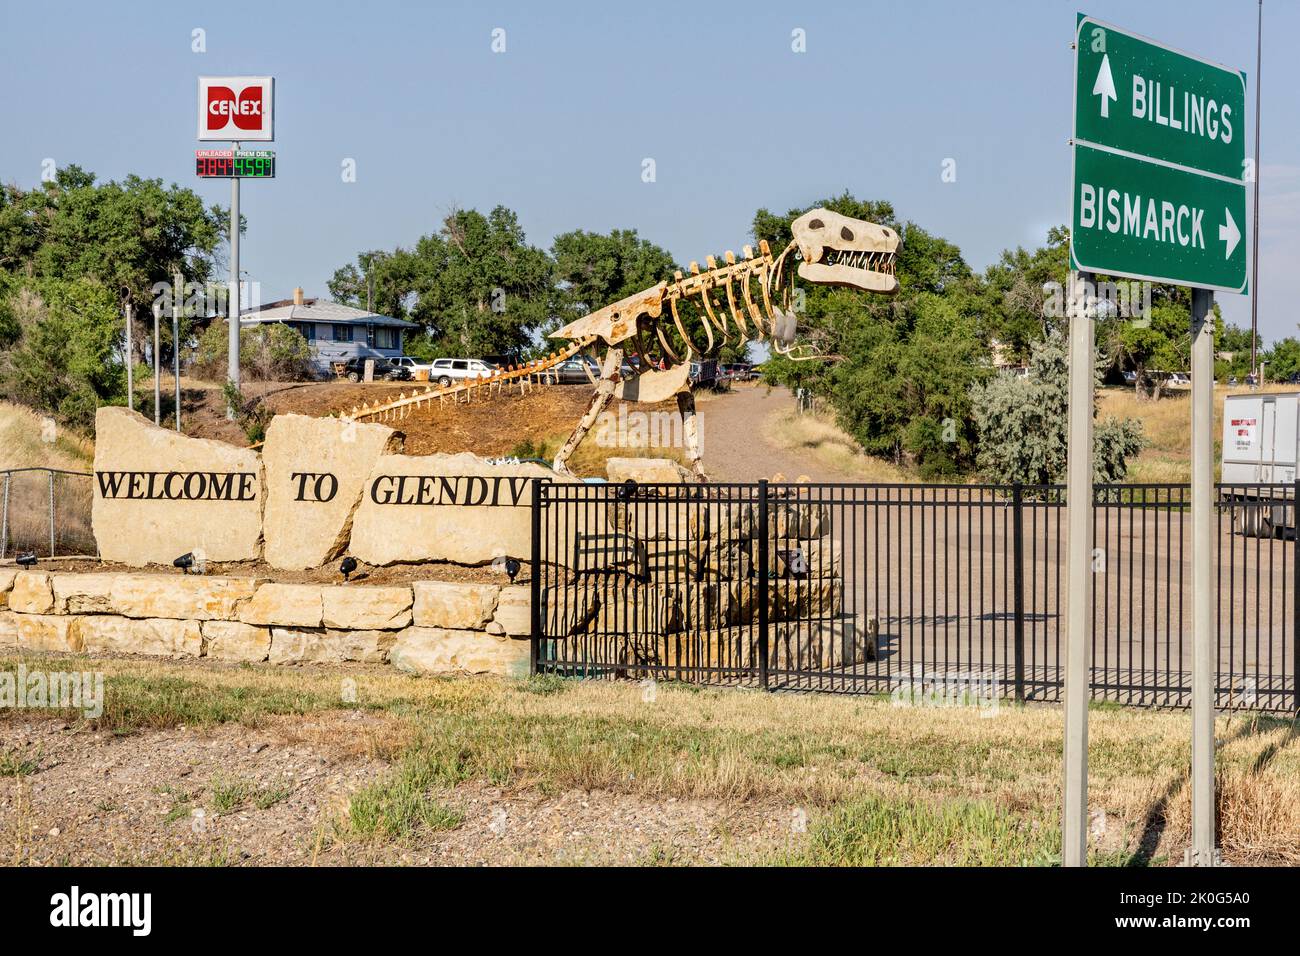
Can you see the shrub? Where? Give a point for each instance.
(270, 352)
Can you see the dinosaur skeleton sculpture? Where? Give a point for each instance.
(830, 250)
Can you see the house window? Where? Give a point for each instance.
(342, 333)
(306, 329)
(387, 338)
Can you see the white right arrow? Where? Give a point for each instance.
(1229, 233)
(1105, 85)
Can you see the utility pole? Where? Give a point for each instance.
(157, 369)
(232, 374)
(1254, 252)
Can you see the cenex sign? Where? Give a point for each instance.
(236, 108)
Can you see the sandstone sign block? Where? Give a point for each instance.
(180, 596)
(287, 605)
(159, 637)
(316, 469)
(158, 495)
(444, 508)
(366, 608)
(457, 606)
(514, 614)
(235, 641)
(7, 576)
(329, 646)
(32, 593)
(436, 650)
(8, 629)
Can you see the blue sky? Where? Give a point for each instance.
(557, 127)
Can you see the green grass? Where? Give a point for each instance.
(13, 763)
(874, 831)
(401, 804)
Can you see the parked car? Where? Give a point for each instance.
(1130, 377)
(737, 371)
(444, 371)
(1178, 380)
(412, 365)
(385, 369)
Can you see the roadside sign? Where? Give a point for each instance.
(228, 163)
(236, 108)
(1159, 161)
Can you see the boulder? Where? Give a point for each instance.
(32, 593)
(49, 632)
(235, 641)
(366, 608)
(288, 605)
(7, 576)
(450, 605)
(159, 637)
(646, 471)
(568, 610)
(628, 608)
(329, 646)
(8, 629)
(187, 597)
(309, 514)
(436, 650)
(445, 508)
(90, 593)
(159, 494)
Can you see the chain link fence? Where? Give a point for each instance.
(46, 512)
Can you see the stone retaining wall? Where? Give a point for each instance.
(425, 627)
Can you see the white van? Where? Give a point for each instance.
(447, 370)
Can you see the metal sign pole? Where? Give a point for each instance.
(177, 292)
(1202, 851)
(233, 351)
(1079, 492)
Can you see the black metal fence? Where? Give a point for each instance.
(45, 511)
(886, 588)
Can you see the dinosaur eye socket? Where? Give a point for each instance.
(816, 224)
(846, 234)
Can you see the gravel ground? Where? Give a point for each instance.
(152, 798)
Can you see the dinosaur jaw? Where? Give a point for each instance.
(870, 271)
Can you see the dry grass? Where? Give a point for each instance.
(880, 783)
(1166, 425)
(29, 440)
(816, 434)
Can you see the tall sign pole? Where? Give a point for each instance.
(233, 109)
(178, 290)
(157, 370)
(1159, 196)
(1074, 812)
(130, 359)
(1204, 635)
(232, 352)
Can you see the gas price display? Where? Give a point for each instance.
(234, 163)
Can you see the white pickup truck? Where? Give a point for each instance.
(1261, 435)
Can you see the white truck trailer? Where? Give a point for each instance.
(1261, 436)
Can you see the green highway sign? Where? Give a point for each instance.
(1159, 154)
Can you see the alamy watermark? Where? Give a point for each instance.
(1124, 299)
(633, 429)
(921, 688)
(52, 690)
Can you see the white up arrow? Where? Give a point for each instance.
(1229, 233)
(1105, 85)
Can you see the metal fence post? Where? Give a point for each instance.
(51, 514)
(1018, 583)
(4, 521)
(535, 579)
(763, 584)
(1295, 598)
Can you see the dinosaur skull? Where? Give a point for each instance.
(837, 250)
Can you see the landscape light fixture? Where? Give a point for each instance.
(512, 568)
(347, 566)
(26, 559)
(184, 562)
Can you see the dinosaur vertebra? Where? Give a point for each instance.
(831, 249)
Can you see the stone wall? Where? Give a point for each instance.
(424, 627)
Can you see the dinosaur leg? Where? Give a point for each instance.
(609, 376)
(691, 432)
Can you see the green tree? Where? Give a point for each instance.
(1021, 423)
(1283, 360)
